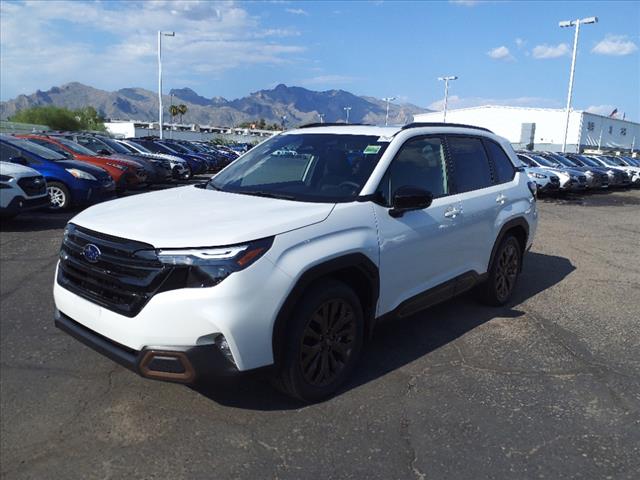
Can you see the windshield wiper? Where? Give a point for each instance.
(260, 193)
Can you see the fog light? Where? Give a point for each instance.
(223, 346)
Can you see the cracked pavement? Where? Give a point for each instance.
(547, 386)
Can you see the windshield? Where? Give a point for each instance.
(137, 145)
(544, 161)
(565, 161)
(305, 167)
(616, 161)
(114, 145)
(176, 147)
(36, 149)
(632, 161)
(75, 147)
(606, 161)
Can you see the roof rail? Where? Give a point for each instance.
(316, 124)
(440, 124)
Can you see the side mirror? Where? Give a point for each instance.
(104, 152)
(19, 160)
(409, 198)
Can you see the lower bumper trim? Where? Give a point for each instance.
(184, 364)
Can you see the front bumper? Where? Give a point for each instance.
(20, 204)
(185, 364)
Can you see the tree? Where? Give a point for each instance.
(182, 109)
(58, 118)
(173, 111)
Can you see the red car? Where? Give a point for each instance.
(126, 173)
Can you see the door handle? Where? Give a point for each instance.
(452, 212)
(501, 199)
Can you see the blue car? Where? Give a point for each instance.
(69, 182)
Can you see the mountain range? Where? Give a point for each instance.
(298, 104)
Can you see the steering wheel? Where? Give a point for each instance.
(347, 183)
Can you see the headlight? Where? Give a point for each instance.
(6, 179)
(537, 175)
(206, 267)
(117, 165)
(80, 174)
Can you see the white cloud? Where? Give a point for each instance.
(456, 101)
(617, 45)
(501, 53)
(520, 42)
(297, 11)
(601, 109)
(551, 51)
(211, 38)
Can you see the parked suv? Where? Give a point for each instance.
(21, 189)
(288, 261)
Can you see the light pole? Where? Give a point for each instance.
(446, 93)
(571, 23)
(321, 115)
(386, 118)
(347, 109)
(160, 35)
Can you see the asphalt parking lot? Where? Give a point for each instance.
(547, 387)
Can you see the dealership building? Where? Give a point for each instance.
(543, 128)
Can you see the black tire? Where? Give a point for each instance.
(59, 196)
(326, 332)
(503, 273)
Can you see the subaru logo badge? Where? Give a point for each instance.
(91, 253)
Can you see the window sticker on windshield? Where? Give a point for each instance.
(385, 139)
(372, 149)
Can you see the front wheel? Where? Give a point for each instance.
(503, 273)
(59, 197)
(324, 343)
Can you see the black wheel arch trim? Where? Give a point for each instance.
(514, 222)
(358, 261)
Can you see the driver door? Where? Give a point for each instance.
(417, 250)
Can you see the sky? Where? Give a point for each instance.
(511, 53)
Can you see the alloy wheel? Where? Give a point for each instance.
(57, 198)
(506, 271)
(328, 342)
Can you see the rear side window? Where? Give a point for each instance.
(7, 153)
(504, 167)
(471, 170)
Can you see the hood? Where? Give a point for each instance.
(8, 168)
(84, 166)
(195, 217)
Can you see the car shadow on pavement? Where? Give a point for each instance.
(37, 221)
(399, 342)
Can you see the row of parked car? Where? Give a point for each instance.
(64, 169)
(572, 172)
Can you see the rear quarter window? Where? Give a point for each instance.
(504, 168)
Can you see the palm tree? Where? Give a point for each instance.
(173, 111)
(182, 109)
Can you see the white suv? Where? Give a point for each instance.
(289, 257)
(21, 189)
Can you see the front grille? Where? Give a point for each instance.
(124, 278)
(33, 186)
(582, 179)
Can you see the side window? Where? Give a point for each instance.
(419, 163)
(471, 170)
(91, 144)
(526, 161)
(504, 167)
(7, 152)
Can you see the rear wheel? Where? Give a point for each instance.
(324, 343)
(503, 273)
(59, 197)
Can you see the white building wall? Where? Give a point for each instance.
(584, 128)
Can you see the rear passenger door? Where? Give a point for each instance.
(474, 184)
